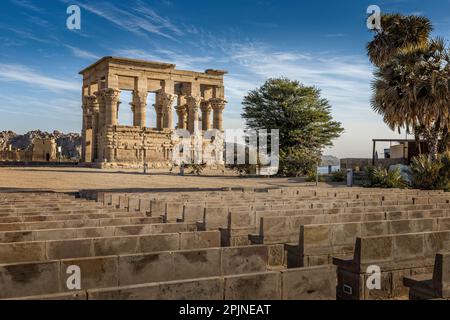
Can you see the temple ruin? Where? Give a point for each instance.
(191, 94)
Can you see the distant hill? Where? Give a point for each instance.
(70, 143)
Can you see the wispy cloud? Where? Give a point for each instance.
(25, 75)
(26, 4)
(183, 61)
(28, 35)
(83, 54)
(335, 35)
(344, 80)
(138, 18)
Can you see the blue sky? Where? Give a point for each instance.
(319, 43)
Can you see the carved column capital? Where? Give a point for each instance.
(92, 99)
(92, 104)
(218, 104)
(140, 97)
(205, 106)
(99, 95)
(194, 101)
(111, 95)
(181, 110)
(167, 100)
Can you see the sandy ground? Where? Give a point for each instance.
(68, 179)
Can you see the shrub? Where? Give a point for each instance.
(297, 162)
(428, 174)
(312, 177)
(244, 169)
(338, 176)
(197, 169)
(382, 178)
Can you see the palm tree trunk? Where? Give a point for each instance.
(417, 138)
(432, 139)
(443, 147)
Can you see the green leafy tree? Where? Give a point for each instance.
(302, 116)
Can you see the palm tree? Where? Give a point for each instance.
(398, 33)
(411, 91)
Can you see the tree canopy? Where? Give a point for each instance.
(302, 116)
(411, 88)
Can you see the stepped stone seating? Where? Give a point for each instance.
(285, 229)
(317, 283)
(83, 223)
(21, 279)
(107, 231)
(216, 244)
(435, 286)
(319, 243)
(396, 255)
(105, 246)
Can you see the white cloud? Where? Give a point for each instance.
(183, 61)
(27, 5)
(139, 18)
(83, 54)
(25, 75)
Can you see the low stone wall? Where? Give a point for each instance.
(361, 163)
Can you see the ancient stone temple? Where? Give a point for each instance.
(193, 95)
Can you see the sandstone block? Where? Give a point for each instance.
(65, 249)
(240, 260)
(260, 286)
(146, 268)
(316, 283)
(194, 240)
(196, 264)
(25, 279)
(159, 242)
(97, 272)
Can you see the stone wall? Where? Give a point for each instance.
(44, 150)
(361, 163)
(15, 155)
(131, 146)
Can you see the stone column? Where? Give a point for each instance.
(139, 108)
(167, 100)
(117, 112)
(193, 112)
(101, 110)
(101, 128)
(218, 105)
(159, 111)
(111, 97)
(94, 124)
(182, 116)
(206, 115)
(85, 109)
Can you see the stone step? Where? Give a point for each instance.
(108, 246)
(82, 223)
(91, 232)
(37, 278)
